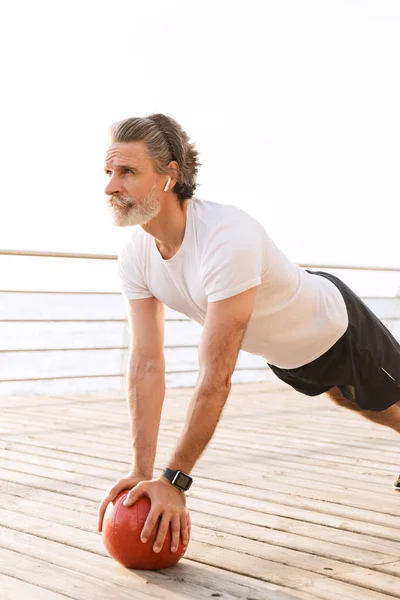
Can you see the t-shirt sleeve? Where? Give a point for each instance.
(133, 286)
(233, 261)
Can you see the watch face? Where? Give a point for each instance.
(182, 480)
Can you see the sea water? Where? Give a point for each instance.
(74, 342)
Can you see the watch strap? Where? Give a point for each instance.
(170, 474)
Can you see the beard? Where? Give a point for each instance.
(127, 211)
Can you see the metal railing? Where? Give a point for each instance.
(124, 346)
(42, 253)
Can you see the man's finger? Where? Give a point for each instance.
(102, 509)
(111, 494)
(134, 494)
(150, 523)
(162, 531)
(175, 531)
(184, 529)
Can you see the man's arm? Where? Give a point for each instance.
(145, 381)
(146, 391)
(224, 329)
(225, 325)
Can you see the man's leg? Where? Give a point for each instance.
(389, 417)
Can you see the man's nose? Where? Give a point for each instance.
(113, 187)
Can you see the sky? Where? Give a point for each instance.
(293, 106)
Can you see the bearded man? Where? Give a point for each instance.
(217, 265)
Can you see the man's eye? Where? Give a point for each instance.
(128, 171)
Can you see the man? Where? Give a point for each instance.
(217, 265)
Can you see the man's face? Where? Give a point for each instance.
(132, 190)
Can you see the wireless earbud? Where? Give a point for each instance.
(167, 184)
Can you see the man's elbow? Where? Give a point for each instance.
(215, 381)
(138, 366)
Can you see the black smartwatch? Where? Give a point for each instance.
(179, 479)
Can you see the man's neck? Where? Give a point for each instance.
(168, 228)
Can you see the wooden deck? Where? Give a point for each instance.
(292, 498)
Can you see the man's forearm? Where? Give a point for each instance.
(202, 417)
(146, 392)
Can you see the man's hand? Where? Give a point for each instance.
(122, 484)
(167, 502)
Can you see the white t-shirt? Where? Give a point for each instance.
(296, 317)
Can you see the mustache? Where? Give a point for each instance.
(121, 200)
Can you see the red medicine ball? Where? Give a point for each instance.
(122, 526)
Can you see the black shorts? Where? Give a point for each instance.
(364, 363)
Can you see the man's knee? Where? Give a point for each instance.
(390, 417)
(337, 397)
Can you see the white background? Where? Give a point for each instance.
(293, 105)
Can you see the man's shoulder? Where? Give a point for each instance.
(132, 243)
(224, 215)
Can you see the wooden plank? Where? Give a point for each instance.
(308, 563)
(306, 509)
(331, 589)
(372, 543)
(13, 475)
(329, 437)
(216, 581)
(326, 425)
(296, 578)
(327, 499)
(330, 531)
(324, 447)
(322, 422)
(83, 493)
(303, 543)
(391, 500)
(312, 510)
(13, 589)
(61, 580)
(70, 441)
(218, 450)
(262, 477)
(112, 434)
(307, 529)
(364, 509)
(327, 472)
(83, 539)
(274, 464)
(226, 493)
(147, 584)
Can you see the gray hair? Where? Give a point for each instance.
(166, 141)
